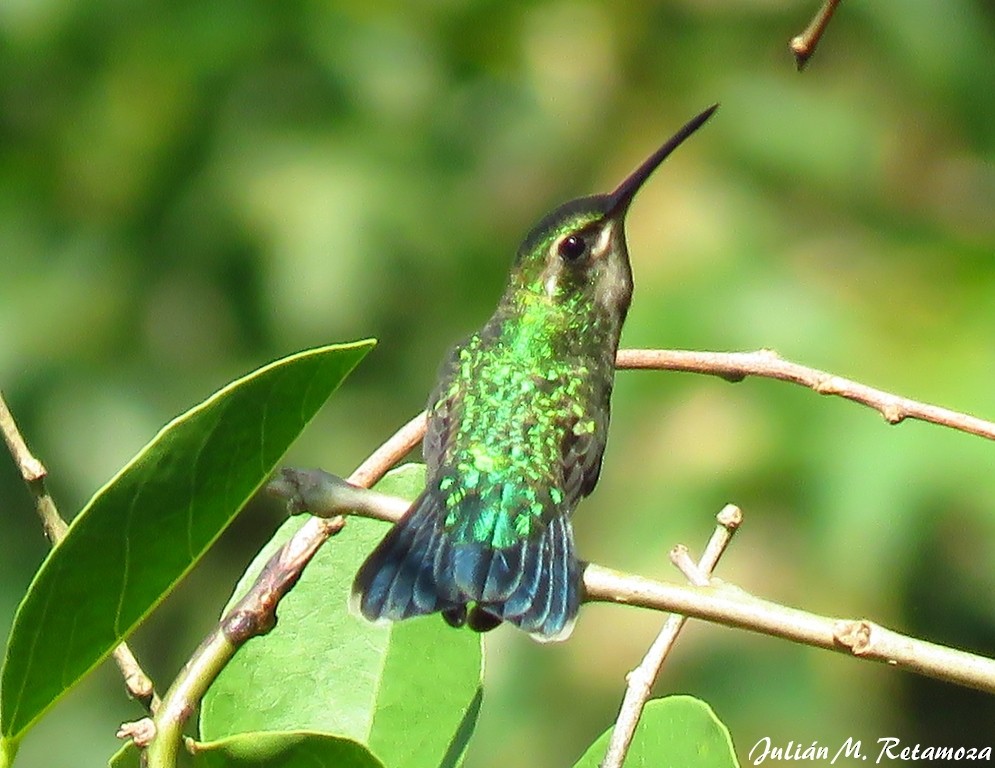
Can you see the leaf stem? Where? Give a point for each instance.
(8, 751)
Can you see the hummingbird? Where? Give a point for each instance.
(516, 431)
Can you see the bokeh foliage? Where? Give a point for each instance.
(188, 190)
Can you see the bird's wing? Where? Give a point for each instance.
(442, 412)
(583, 446)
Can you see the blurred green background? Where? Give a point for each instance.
(189, 190)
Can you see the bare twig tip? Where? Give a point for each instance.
(681, 557)
(730, 517)
(803, 45)
(801, 51)
(33, 470)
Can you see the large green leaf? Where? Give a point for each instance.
(284, 750)
(150, 524)
(675, 732)
(278, 749)
(410, 691)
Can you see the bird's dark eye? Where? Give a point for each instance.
(572, 248)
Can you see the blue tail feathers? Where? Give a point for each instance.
(419, 569)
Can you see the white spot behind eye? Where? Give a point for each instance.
(604, 239)
(552, 280)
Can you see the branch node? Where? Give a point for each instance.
(241, 625)
(855, 636)
(640, 680)
(893, 413)
(827, 384)
(311, 490)
(140, 732)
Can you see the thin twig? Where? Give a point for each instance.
(255, 613)
(391, 452)
(803, 45)
(736, 366)
(640, 681)
(34, 473)
(138, 684)
(733, 607)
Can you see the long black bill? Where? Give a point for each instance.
(619, 199)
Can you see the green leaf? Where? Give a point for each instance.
(126, 757)
(284, 750)
(280, 749)
(150, 524)
(675, 732)
(410, 690)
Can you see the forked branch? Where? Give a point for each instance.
(639, 682)
(725, 605)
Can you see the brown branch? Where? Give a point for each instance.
(803, 46)
(391, 452)
(138, 684)
(641, 680)
(736, 366)
(252, 616)
(255, 614)
(33, 473)
(732, 607)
